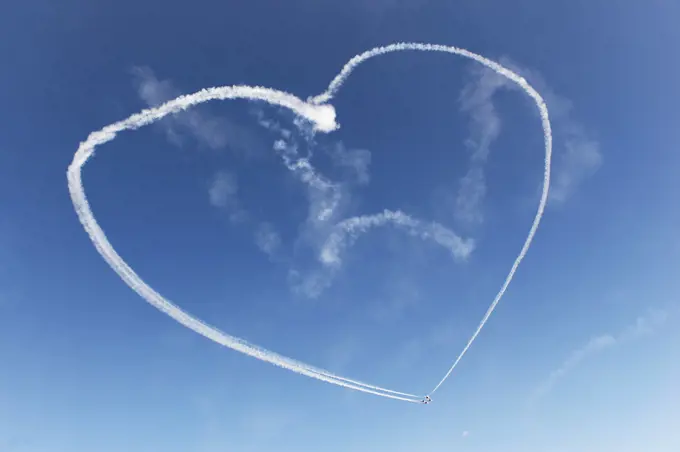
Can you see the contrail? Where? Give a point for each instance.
(355, 61)
(323, 118)
(337, 241)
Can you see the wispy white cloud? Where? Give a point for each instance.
(223, 194)
(579, 159)
(324, 195)
(644, 325)
(356, 160)
(594, 346)
(476, 99)
(309, 283)
(267, 239)
(223, 189)
(206, 129)
(577, 155)
(327, 204)
(329, 242)
(470, 196)
(465, 434)
(326, 198)
(209, 130)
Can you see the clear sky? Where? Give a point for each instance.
(582, 352)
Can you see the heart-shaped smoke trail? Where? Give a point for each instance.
(322, 116)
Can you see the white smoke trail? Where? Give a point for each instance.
(339, 79)
(323, 119)
(286, 147)
(352, 227)
(301, 167)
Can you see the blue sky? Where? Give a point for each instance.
(578, 356)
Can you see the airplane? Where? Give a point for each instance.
(426, 400)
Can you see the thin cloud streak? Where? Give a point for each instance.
(477, 100)
(594, 346)
(644, 325)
